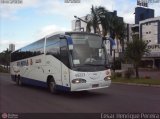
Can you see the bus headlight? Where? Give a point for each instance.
(78, 81)
(107, 78)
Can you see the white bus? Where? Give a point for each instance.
(69, 61)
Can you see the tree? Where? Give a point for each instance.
(135, 51)
(5, 58)
(103, 18)
(99, 17)
(119, 30)
(109, 22)
(93, 22)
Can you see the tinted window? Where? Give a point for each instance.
(64, 52)
(34, 49)
(53, 46)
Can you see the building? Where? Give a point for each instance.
(149, 31)
(12, 47)
(79, 25)
(142, 13)
(147, 28)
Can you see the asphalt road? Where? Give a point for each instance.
(117, 98)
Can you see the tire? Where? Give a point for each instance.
(18, 81)
(52, 86)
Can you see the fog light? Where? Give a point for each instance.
(107, 78)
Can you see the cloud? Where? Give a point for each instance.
(155, 6)
(68, 10)
(124, 9)
(4, 44)
(46, 30)
(9, 11)
(65, 9)
(60, 9)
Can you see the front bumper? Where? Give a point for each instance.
(90, 85)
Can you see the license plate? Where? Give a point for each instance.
(95, 85)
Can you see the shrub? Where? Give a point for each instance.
(118, 74)
(128, 73)
(147, 77)
(117, 64)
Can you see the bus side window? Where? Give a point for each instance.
(53, 46)
(64, 52)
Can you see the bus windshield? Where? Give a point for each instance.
(88, 50)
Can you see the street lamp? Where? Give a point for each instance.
(80, 19)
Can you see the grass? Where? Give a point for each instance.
(137, 81)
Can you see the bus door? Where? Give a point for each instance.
(64, 56)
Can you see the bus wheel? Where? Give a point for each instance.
(18, 81)
(52, 86)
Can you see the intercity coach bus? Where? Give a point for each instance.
(69, 61)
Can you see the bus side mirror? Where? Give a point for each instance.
(70, 47)
(103, 39)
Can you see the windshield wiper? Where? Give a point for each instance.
(93, 64)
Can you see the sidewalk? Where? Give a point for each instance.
(146, 73)
(134, 84)
(4, 73)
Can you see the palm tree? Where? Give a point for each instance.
(93, 22)
(109, 22)
(103, 18)
(99, 17)
(117, 29)
(135, 51)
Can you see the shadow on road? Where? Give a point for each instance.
(81, 94)
(78, 95)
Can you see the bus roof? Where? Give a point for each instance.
(60, 33)
(69, 32)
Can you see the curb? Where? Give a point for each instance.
(4, 73)
(134, 84)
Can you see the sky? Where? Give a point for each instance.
(27, 22)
